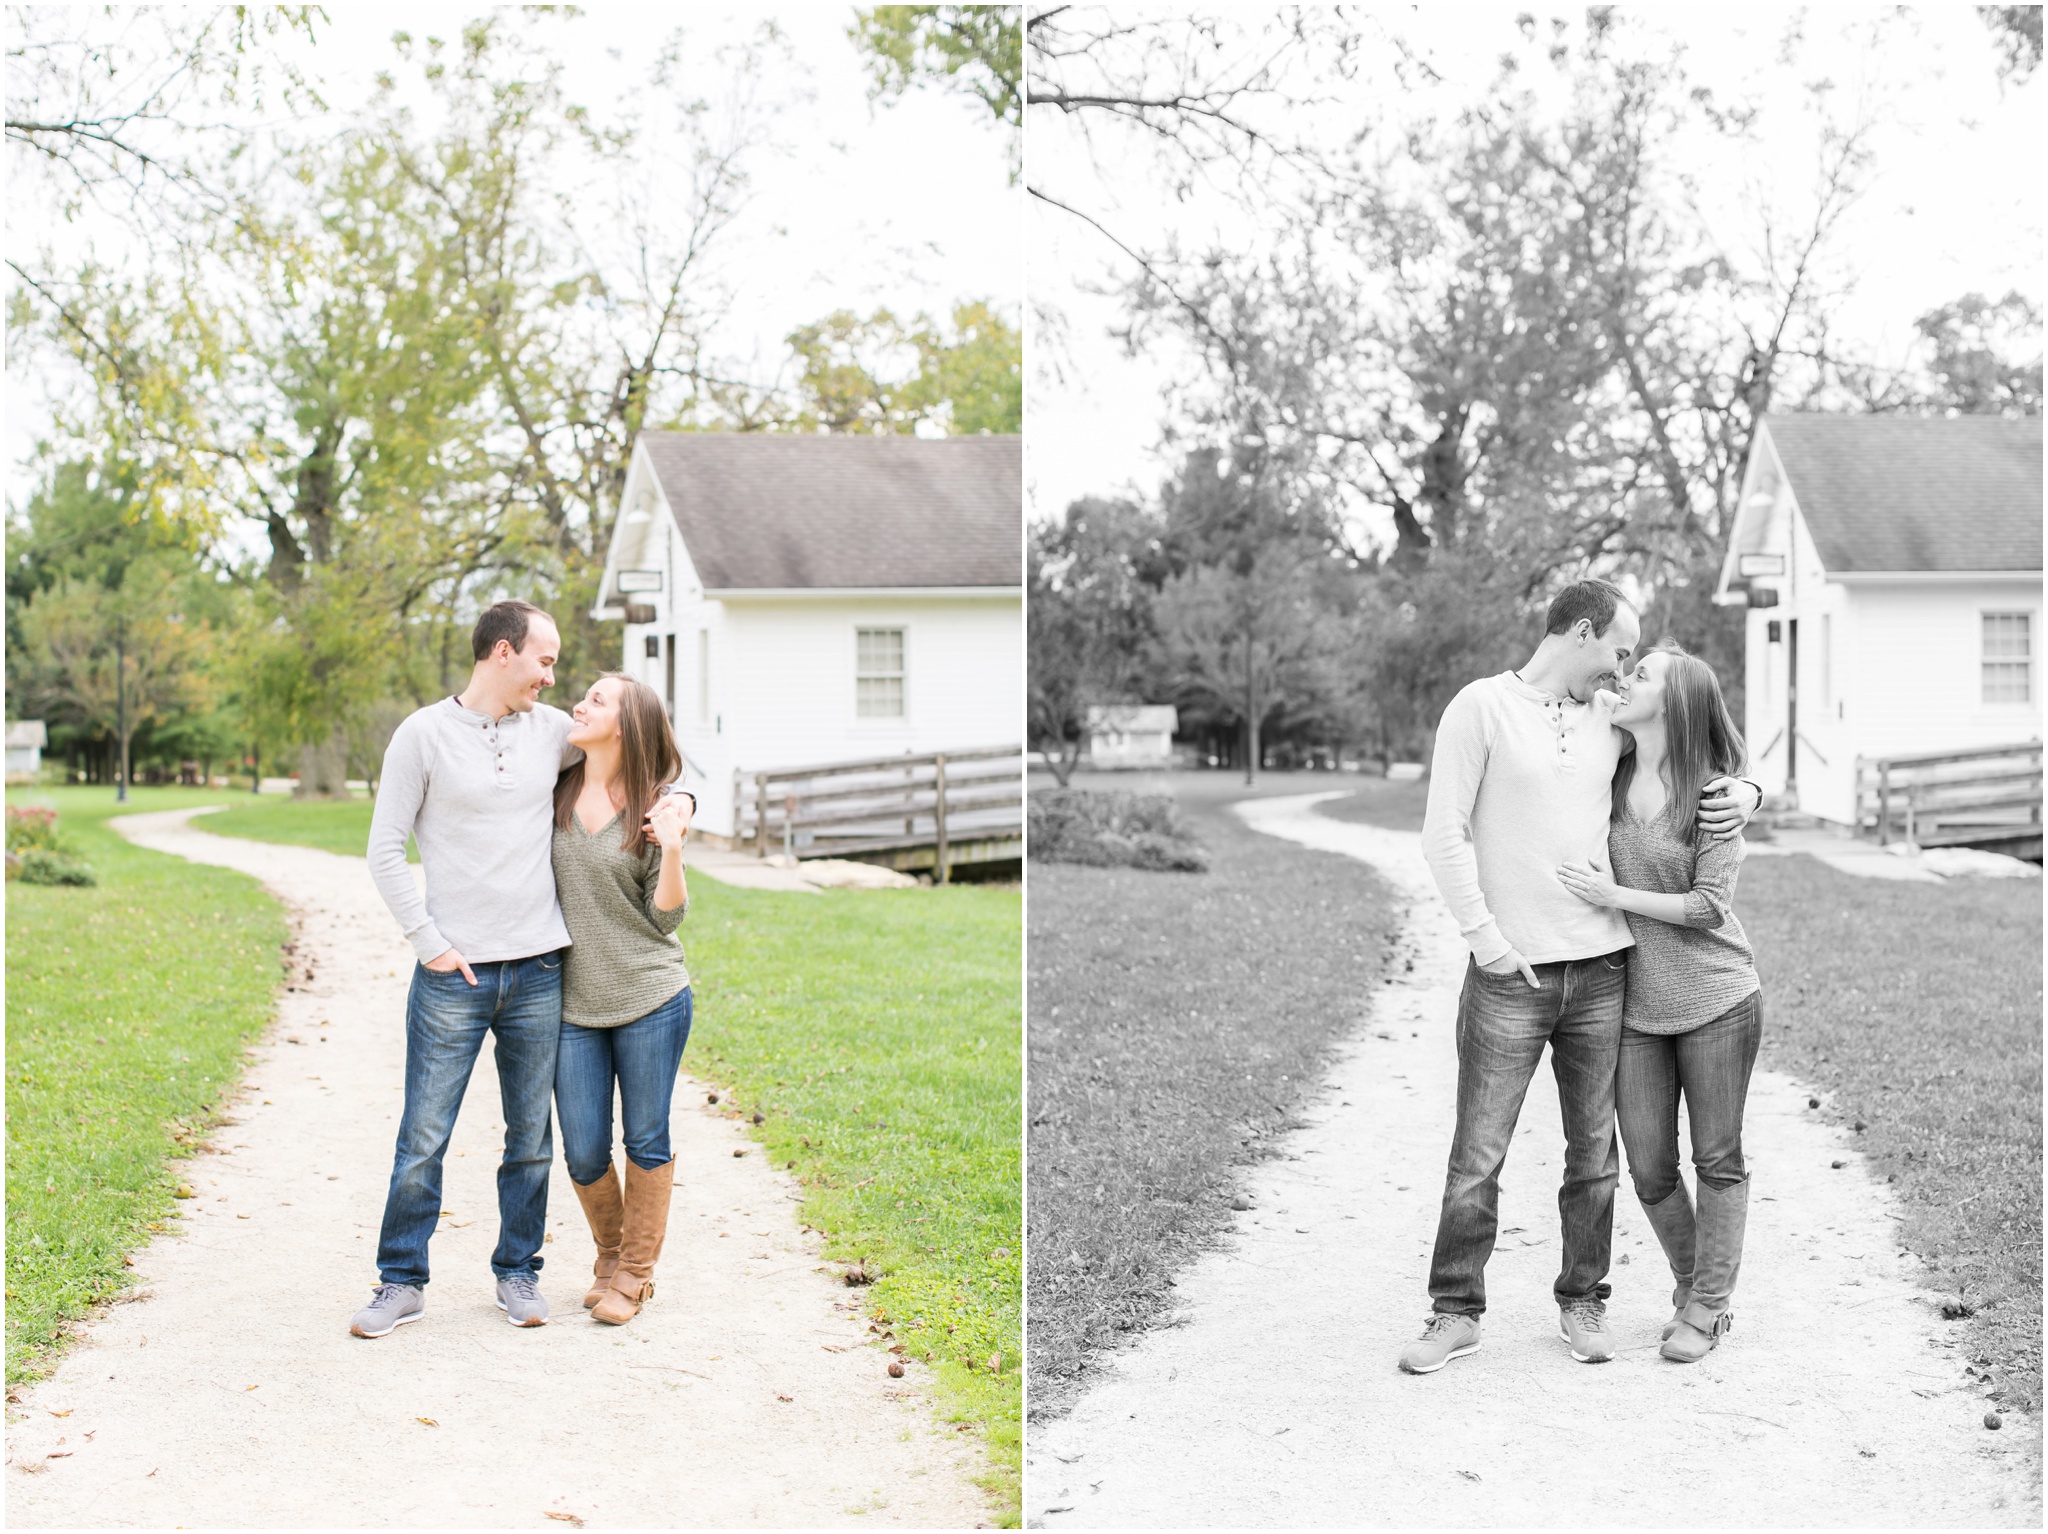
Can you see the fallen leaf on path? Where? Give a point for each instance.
(35, 1466)
(247, 1388)
(65, 1413)
(459, 1224)
(566, 1518)
(780, 1397)
(66, 1453)
(429, 1421)
(1468, 1475)
(831, 1349)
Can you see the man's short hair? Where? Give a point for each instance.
(503, 620)
(1584, 599)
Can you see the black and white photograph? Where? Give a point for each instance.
(1534, 847)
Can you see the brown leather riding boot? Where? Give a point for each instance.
(604, 1208)
(1677, 1232)
(646, 1225)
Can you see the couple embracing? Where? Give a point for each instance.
(552, 847)
(1585, 831)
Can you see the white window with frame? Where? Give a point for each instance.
(878, 673)
(2008, 657)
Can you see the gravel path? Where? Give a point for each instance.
(230, 1394)
(1837, 1401)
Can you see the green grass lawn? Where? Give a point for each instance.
(1177, 1022)
(878, 1033)
(1916, 1009)
(338, 825)
(129, 1006)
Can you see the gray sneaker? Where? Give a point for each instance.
(1445, 1337)
(390, 1307)
(519, 1297)
(1583, 1324)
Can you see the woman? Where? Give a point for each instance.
(1693, 1017)
(618, 855)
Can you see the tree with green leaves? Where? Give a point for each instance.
(884, 374)
(975, 49)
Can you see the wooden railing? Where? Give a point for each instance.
(1949, 798)
(959, 805)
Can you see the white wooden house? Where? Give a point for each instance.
(1892, 570)
(1127, 735)
(26, 739)
(803, 600)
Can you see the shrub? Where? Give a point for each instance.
(1112, 830)
(40, 866)
(30, 826)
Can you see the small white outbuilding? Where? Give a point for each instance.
(804, 600)
(26, 739)
(1131, 735)
(1891, 566)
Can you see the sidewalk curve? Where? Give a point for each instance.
(229, 1392)
(1275, 1400)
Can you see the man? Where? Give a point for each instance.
(472, 778)
(1519, 785)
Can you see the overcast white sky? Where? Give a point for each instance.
(1955, 204)
(908, 205)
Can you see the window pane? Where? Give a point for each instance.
(2008, 636)
(2007, 682)
(879, 697)
(880, 652)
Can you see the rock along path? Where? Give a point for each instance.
(1837, 1400)
(229, 1393)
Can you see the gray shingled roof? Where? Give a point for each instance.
(1891, 492)
(772, 512)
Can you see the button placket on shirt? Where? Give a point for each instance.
(497, 745)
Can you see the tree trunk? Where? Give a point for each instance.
(323, 769)
(1060, 763)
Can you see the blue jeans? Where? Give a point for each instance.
(1710, 1065)
(641, 1058)
(1503, 1025)
(446, 1018)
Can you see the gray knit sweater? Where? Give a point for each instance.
(625, 960)
(1681, 976)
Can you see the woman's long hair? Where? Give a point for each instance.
(1700, 740)
(647, 759)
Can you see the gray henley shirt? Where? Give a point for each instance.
(478, 794)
